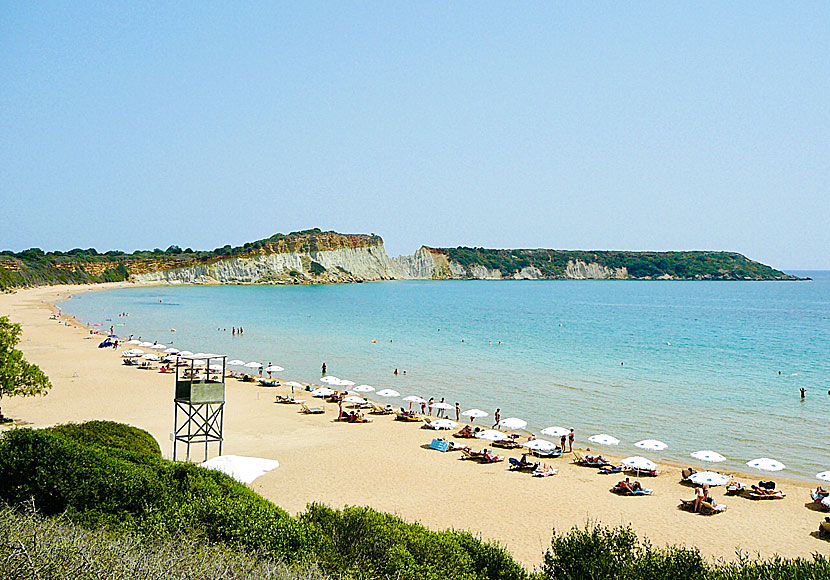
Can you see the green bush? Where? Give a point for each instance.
(109, 434)
(359, 542)
(129, 490)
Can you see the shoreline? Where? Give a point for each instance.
(382, 464)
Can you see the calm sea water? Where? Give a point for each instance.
(699, 365)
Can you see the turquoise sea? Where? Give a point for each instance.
(699, 365)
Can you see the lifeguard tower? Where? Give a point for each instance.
(200, 401)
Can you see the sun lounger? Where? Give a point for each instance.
(490, 458)
(763, 495)
(407, 417)
(622, 489)
(706, 508)
(440, 445)
(507, 444)
(589, 461)
(516, 465)
(269, 382)
(287, 400)
(311, 410)
(378, 410)
(457, 446)
(642, 472)
(553, 454)
(735, 488)
(467, 453)
(545, 471)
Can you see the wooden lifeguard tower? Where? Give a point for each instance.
(200, 401)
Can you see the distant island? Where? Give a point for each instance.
(318, 257)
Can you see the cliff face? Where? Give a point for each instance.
(316, 257)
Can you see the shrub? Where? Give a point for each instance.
(360, 542)
(110, 435)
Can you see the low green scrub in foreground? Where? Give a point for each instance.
(111, 497)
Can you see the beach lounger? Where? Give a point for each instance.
(516, 465)
(287, 400)
(553, 454)
(625, 490)
(378, 410)
(706, 508)
(545, 471)
(642, 472)
(440, 445)
(507, 444)
(269, 382)
(311, 410)
(764, 496)
(407, 417)
(735, 488)
(467, 453)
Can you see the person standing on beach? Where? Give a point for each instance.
(498, 418)
(457, 411)
(269, 372)
(324, 369)
(571, 441)
(440, 412)
(429, 403)
(562, 442)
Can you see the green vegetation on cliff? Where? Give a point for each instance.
(639, 265)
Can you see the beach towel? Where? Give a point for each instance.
(440, 445)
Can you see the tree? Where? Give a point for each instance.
(18, 376)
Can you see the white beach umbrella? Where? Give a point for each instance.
(639, 463)
(492, 435)
(414, 399)
(322, 392)
(170, 358)
(443, 424)
(273, 369)
(823, 476)
(555, 431)
(237, 363)
(185, 353)
(146, 344)
(252, 365)
(512, 423)
(354, 399)
(474, 413)
(331, 380)
(242, 469)
(651, 445)
(540, 445)
(134, 341)
(440, 405)
(766, 464)
(364, 388)
(346, 383)
(159, 346)
(294, 384)
(709, 478)
(132, 352)
(389, 393)
(708, 456)
(171, 350)
(603, 439)
(152, 357)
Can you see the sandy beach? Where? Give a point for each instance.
(384, 464)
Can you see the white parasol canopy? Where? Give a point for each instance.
(440, 405)
(236, 362)
(253, 364)
(492, 435)
(242, 469)
(823, 476)
(134, 341)
(354, 399)
(443, 424)
(708, 456)
(171, 350)
(273, 369)
(322, 392)
(475, 413)
(363, 388)
(651, 445)
(389, 393)
(346, 382)
(603, 439)
(159, 346)
(414, 399)
(555, 431)
(709, 477)
(330, 380)
(185, 353)
(151, 356)
(512, 423)
(146, 344)
(540, 445)
(639, 463)
(766, 464)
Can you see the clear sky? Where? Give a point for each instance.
(653, 126)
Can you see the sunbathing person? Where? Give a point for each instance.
(608, 468)
(465, 432)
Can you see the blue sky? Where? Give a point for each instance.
(640, 126)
